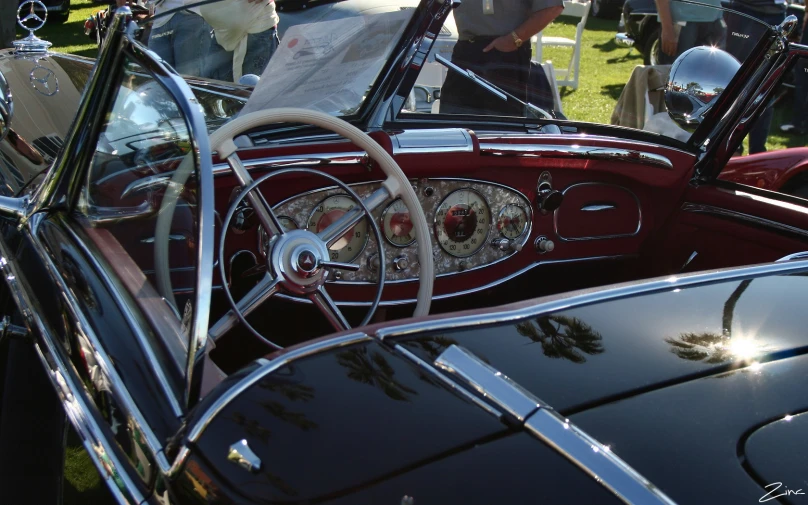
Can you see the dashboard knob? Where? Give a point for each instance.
(548, 199)
(401, 263)
(544, 245)
(462, 266)
(373, 262)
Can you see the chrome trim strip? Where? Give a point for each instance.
(129, 315)
(83, 416)
(426, 367)
(432, 141)
(617, 292)
(573, 138)
(597, 208)
(468, 291)
(266, 367)
(718, 211)
(689, 260)
(600, 237)
(795, 256)
(575, 151)
(470, 370)
(105, 365)
(347, 158)
(594, 458)
(219, 169)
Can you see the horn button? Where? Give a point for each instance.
(297, 260)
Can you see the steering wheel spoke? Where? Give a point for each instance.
(260, 293)
(263, 210)
(350, 219)
(329, 309)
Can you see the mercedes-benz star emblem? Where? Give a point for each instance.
(44, 80)
(306, 262)
(31, 21)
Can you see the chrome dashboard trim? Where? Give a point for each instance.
(470, 370)
(575, 151)
(600, 208)
(432, 141)
(266, 367)
(565, 302)
(718, 211)
(83, 416)
(454, 386)
(594, 458)
(597, 208)
(468, 291)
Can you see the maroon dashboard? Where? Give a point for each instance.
(498, 205)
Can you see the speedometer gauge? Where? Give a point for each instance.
(348, 247)
(397, 225)
(462, 222)
(512, 221)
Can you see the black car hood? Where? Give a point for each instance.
(46, 93)
(362, 424)
(587, 355)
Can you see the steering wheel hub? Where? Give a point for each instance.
(297, 258)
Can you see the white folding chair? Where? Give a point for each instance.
(568, 76)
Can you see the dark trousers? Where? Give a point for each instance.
(508, 71)
(695, 34)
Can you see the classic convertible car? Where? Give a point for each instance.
(250, 294)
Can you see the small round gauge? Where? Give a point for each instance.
(512, 221)
(287, 223)
(348, 247)
(396, 224)
(462, 222)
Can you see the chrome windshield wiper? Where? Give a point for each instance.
(491, 88)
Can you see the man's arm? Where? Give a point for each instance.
(532, 25)
(667, 36)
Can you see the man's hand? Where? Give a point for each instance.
(504, 44)
(668, 39)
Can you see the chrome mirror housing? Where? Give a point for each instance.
(697, 78)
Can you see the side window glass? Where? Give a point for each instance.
(140, 203)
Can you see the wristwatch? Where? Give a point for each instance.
(516, 39)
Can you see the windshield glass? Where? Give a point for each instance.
(327, 56)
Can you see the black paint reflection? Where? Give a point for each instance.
(713, 348)
(707, 347)
(372, 368)
(563, 337)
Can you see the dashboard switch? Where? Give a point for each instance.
(544, 245)
(504, 244)
(373, 262)
(401, 263)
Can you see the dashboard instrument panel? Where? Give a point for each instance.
(475, 224)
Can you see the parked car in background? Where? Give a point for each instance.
(303, 291)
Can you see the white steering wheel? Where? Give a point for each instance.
(298, 260)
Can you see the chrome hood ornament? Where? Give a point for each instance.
(29, 19)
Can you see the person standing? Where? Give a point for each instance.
(182, 38)
(494, 43)
(685, 26)
(772, 12)
(245, 37)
